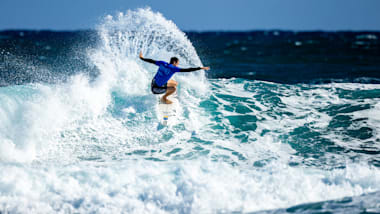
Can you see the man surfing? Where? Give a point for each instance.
(161, 82)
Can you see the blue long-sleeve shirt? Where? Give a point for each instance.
(166, 71)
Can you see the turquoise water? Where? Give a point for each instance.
(92, 144)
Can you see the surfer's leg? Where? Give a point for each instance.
(172, 83)
(172, 87)
(169, 91)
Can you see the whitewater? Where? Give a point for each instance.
(91, 144)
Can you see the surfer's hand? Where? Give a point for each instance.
(141, 56)
(206, 68)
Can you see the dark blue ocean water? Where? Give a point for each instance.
(277, 56)
(284, 122)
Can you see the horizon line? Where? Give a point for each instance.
(202, 31)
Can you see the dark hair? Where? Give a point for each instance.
(173, 60)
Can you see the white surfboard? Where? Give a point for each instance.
(167, 113)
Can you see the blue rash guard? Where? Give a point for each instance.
(165, 72)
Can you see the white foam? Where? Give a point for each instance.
(35, 125)
(85, 152)
(184, 186)
(125, 35)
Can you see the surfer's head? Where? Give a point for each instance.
(174, 61)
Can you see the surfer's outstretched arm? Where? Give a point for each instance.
(193, 69)
(147, 60)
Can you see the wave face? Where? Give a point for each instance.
(89, 142)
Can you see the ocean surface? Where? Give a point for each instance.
(284, 122)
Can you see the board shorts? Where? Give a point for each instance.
(158, 89)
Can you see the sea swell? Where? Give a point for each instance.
(90, 143)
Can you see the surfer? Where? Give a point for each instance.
(161, 82)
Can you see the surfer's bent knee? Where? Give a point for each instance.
(172, 88)
(173, 82)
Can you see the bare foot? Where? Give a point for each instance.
(166, 101)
